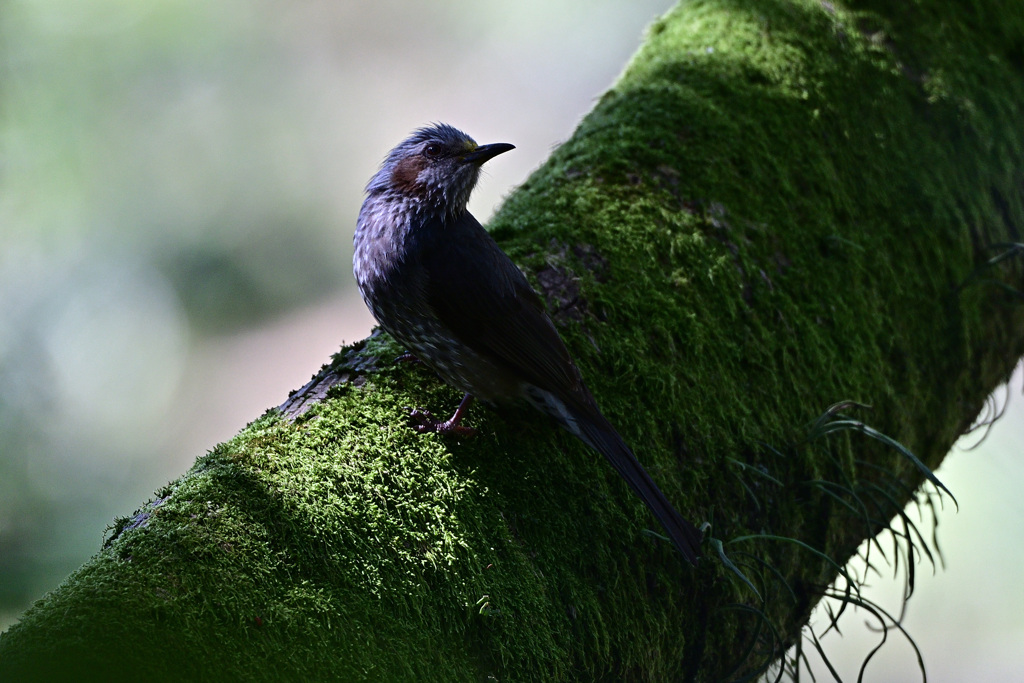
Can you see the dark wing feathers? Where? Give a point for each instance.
(479, 294)
(482, 297)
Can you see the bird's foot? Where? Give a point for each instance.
(425, 423)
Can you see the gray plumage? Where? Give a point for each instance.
(438, 282)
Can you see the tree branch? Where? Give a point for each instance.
(771, 212)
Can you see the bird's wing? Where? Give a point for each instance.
(481, 295)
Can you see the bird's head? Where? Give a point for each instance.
(436, 168)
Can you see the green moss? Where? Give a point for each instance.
(769, 212)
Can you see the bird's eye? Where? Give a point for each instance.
(432, 150)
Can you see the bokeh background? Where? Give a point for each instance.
(179, 181)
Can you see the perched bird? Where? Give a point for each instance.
(440, 285)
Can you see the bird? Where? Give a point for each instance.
(440, 285)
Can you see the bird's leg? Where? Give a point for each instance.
(425, 422)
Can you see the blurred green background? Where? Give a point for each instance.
(179, 182)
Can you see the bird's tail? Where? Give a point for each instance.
(597, 433)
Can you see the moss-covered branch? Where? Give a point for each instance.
(770, 212)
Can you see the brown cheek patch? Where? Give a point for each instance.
(406, 173)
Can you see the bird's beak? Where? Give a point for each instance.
(485, 152)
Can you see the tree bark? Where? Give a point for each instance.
(781, 205)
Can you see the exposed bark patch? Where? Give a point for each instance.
(138, 521)
(349, 366)
(559, 284)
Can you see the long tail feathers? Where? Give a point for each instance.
(603, 438)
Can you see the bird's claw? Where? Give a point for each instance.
(425, 423)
